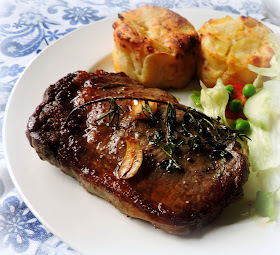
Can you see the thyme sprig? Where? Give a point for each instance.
(170, 121)
(147, 109)
(113, 113)
(210, 133)
(168, 148)
(106, 99)
(214, 123)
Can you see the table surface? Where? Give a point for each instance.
(20, 231)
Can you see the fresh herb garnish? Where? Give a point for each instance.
(168, 148)
(147, 109)
(201, 131)
(113, 112)
(170, 120)
(169, 165)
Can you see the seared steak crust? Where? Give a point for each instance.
(92, 152)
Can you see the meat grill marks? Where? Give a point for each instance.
(84, 144)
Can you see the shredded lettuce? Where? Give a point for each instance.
(263, 113)
(274, 70)
(214, 100)
(263, 148)
(260, 111)
(269, 179)
(273, 86)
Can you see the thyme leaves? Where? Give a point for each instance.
(171, 122)
(113, 113)
(147, 111)
(171, 165)
(199, 131)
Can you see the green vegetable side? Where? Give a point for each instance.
(235, 106)
(254, 109)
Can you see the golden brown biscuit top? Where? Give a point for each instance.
(241, 37)
(228, 46)
(230, 28)
(165, 30)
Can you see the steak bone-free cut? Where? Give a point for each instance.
(151, 157)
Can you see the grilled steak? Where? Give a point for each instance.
(165, 163)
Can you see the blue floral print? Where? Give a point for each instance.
(12, 71)
(78, 14)
(53, 35)
(52, 243)
(18, 225)
(31, 18)
(226, 9)
(26, 40)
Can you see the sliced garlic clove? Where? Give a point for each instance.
(139, 112)
(132, 160)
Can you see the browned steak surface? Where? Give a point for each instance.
(192, 166)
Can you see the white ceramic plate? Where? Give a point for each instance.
(87, 223)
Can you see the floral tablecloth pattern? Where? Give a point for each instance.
(26, 28)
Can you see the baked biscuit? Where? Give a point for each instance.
(227, 46)
(156, 46)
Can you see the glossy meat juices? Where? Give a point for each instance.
(161, 162)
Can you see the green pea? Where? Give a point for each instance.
(242, 125)
(238, 120)
(235, 106)
(248, 90)
(230, 88)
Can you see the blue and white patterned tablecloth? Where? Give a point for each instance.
(26, 28)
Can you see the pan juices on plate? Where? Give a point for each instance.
(156, 46)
